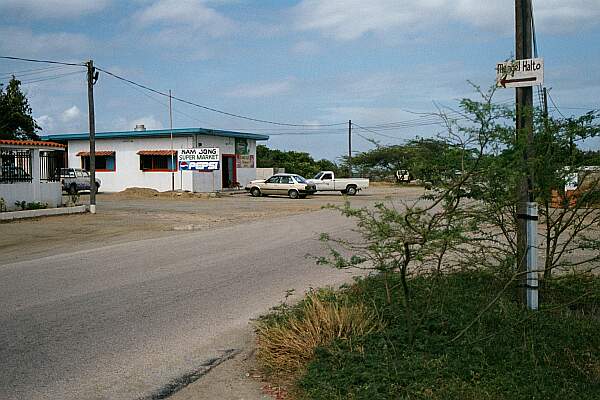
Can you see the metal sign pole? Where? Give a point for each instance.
(532, 273)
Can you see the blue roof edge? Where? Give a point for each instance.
(156, 133)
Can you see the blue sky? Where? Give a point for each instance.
(303, 62)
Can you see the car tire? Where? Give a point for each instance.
(293, 194)
(351, 190)
(72, 189)
(255, 192)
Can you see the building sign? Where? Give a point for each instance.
(244, 161)
(243, 158)
(199, 159)
(520, 73)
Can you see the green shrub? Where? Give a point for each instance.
(36, 205)
(510, 353)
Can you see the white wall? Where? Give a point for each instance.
(127, 163)
(264, 173)
(207, 182)
(43, 192)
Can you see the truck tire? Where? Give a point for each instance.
(351, 190)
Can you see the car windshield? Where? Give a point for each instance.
(299, 179)
(318, 176)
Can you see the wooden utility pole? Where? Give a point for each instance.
(524, 132)
(350, 148)
(92, 77)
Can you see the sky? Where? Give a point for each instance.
(307, 62)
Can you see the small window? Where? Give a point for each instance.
(327, 177)
(157, 162)
(286, 179)
(273, 179)
(103, 163)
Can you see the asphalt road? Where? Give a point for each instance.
(120, 321)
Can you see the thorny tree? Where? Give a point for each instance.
(469, 219)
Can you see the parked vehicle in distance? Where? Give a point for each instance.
(291, 185)
(402, 175)
(75, 179)
(326, 181)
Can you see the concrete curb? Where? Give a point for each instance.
(13, 215)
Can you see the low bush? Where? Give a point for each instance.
(35, 205)
(509, 353)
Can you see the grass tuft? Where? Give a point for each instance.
(287, 344)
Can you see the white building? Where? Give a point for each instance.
(144, 158)
(28, 173)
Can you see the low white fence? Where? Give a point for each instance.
(31, 192)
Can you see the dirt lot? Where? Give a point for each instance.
(138, 215)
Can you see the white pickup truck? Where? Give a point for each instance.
(326, 181)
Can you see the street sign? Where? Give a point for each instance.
(520, 73)
(199, 159)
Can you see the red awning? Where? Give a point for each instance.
(157, 152)
(98, 153)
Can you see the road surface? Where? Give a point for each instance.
(122, 320)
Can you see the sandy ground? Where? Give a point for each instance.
(123, 218)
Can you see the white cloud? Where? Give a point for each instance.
(185, 14)
(51, 9)
(46, 122)
(265, 89)
(71, 114)
(22, 41)
(127, 124)
(150, 122)
(351, 19)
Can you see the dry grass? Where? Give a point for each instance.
(286, 347)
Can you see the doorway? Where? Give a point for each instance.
(229, 173)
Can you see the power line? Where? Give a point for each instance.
(38, 71)
(42, 61)
(376, 133)
(49, 78)
(309, 133)
(555, 106)
(213, 109)
(166, 105)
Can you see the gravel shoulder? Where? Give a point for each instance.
(126, 218)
